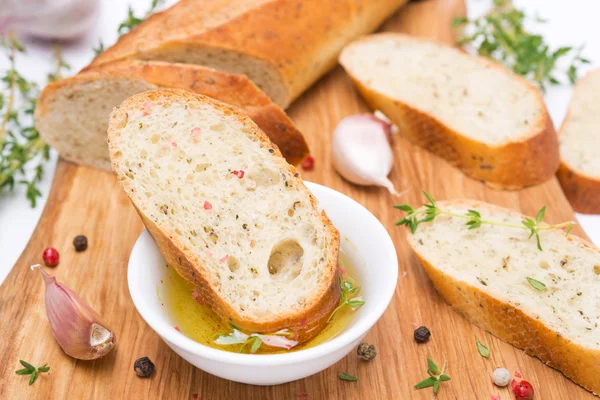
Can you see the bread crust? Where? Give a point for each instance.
(511, 166)
(233, 89)
(306, 324)
(298, 39)
(582, 190)
(578, 363)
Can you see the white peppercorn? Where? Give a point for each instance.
(501, 377)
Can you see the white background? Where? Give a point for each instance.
(573, 22)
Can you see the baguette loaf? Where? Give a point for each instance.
(284, 46)
(476, 114)
(72, 114)
(579, 172)
(482, 273)
(227, 211)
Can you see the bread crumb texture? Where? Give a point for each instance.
(498, 260)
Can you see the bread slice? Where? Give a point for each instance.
(482, 273)
(476, 114)
(283, 46)
(227, 211)
(72, 114)
(579, 172)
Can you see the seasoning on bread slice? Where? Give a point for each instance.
(579, 172)
(545, 302)
(227, 211)
(283, 46)
(474, 113)
(72, 114)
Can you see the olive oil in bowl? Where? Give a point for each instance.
(197, 321)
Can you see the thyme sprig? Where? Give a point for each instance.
(20, 143)
(436, 377)
(31, 370)
(474, 220)
(131, 22)
(501, 35)
(348, 296)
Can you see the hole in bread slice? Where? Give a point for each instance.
(285, 262)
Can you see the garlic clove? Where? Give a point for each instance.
(78, 329)
(361, 151)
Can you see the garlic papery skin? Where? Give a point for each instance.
(47, 19)
(361, 151)
(78, 329)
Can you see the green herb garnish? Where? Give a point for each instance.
(537, 285)
(348, 296)
(347, 377)
(501, 36)
(484, 351)
(474, 220)
(21, 146)
(435, 377)
(132, 20)
(31, 370)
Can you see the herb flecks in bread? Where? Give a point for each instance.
(255, 245)
(545, 302)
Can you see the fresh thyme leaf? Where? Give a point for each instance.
(569, 230)
(347, 296)
(501, 35)
(537, 285)
(432, 367)
(435, 377)
(23, 371)
(31, 370)
(33, 378)
(540, 215)
(100, 48)
(132, 20)
(347, 377)
(483, 350)
(27, 365)
(425, 383)
(255, 345)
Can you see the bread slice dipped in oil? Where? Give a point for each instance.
(546, 302)
(227, 211)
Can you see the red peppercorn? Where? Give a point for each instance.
(239, 174)
(522, 390)
(207, 205)
(50, 257)
(308, 163)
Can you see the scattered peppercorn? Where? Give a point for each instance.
(422, 334)
(50, 257)
(143, 367)
(80, 242)
(308, 163)
(501, 377)
(366, 351)
(522, 390)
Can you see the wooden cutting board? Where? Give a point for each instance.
(85, 201)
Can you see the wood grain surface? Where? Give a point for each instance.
(90, 202)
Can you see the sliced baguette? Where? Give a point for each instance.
(72, 114)
(476, 114)
(482, 273)
(579, 172)
(283, 46)
(256, 247)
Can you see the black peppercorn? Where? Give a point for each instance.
(80, 243)
(366, 351)
(143, 367)
(422, 334)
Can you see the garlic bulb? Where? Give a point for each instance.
(78, 329)
(361, 150)
(47, 19)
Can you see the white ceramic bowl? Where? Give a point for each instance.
(362, 238)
